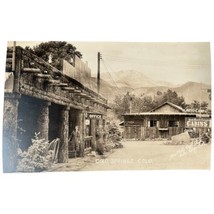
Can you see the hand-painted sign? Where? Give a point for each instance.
(94, 116)
(197, 123)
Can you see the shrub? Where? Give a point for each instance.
(37, 158)
(114, 133)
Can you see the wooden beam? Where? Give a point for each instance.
(88, 96)
(9, 60)
(10, 49)
(77, 91)
(31, 70)
(53, 82)
(9, 54)
(57, 83)
(62, 84)
(83, 95)
(68, 89)
(44, 76)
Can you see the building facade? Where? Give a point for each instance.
(164, 121)
(39, 98)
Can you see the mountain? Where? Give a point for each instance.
(190, 91)
(139, 84)
(194, 91)
(167, 84)
(129, 78)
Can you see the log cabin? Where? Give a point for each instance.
(162, 122)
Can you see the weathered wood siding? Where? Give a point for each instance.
(137, 127)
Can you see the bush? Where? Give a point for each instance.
(114, 133)
(37, 158)
(206, 137)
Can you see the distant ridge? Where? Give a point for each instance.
(141, 85)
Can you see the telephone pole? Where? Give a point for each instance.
(99, 57)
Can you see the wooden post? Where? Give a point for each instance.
(81, 125)
(17, 72)
(43, 120)
(93, 134)
(64, 132)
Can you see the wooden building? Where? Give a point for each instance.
(41, 98)
(164, 121)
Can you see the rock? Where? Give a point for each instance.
(182, 138)
(93, 154)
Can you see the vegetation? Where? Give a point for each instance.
(37, 158)
(57, 50)
(132, 103)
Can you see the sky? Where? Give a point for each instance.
(176, 63)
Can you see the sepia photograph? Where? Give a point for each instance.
(106, 107)
(93, 106)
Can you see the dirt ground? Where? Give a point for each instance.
(143, 155)
(137, 155)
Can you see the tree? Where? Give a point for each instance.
(58, 50)
(131, 103)
(122, 104)
(195, 104)
(159, 93)
(172, 96)
(204, 105)
(142, 104)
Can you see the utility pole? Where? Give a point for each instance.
(99, 57)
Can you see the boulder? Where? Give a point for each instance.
(180, 139)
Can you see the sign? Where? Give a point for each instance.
(94, 116)
(87, 122)
(197, 123)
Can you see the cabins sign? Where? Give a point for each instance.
(197, 123)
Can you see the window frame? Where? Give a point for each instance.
(173, 123)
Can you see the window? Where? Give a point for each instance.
(173, 123)
(153, 123)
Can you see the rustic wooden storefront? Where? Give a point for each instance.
(40, 98)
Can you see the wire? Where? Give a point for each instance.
(110, 74)
(114, 72)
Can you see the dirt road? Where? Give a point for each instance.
(153, 155)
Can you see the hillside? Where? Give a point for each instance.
(190, 91)
(139, 84)
(194, 91)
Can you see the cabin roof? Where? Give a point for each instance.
(161, 113)
(180, 109)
